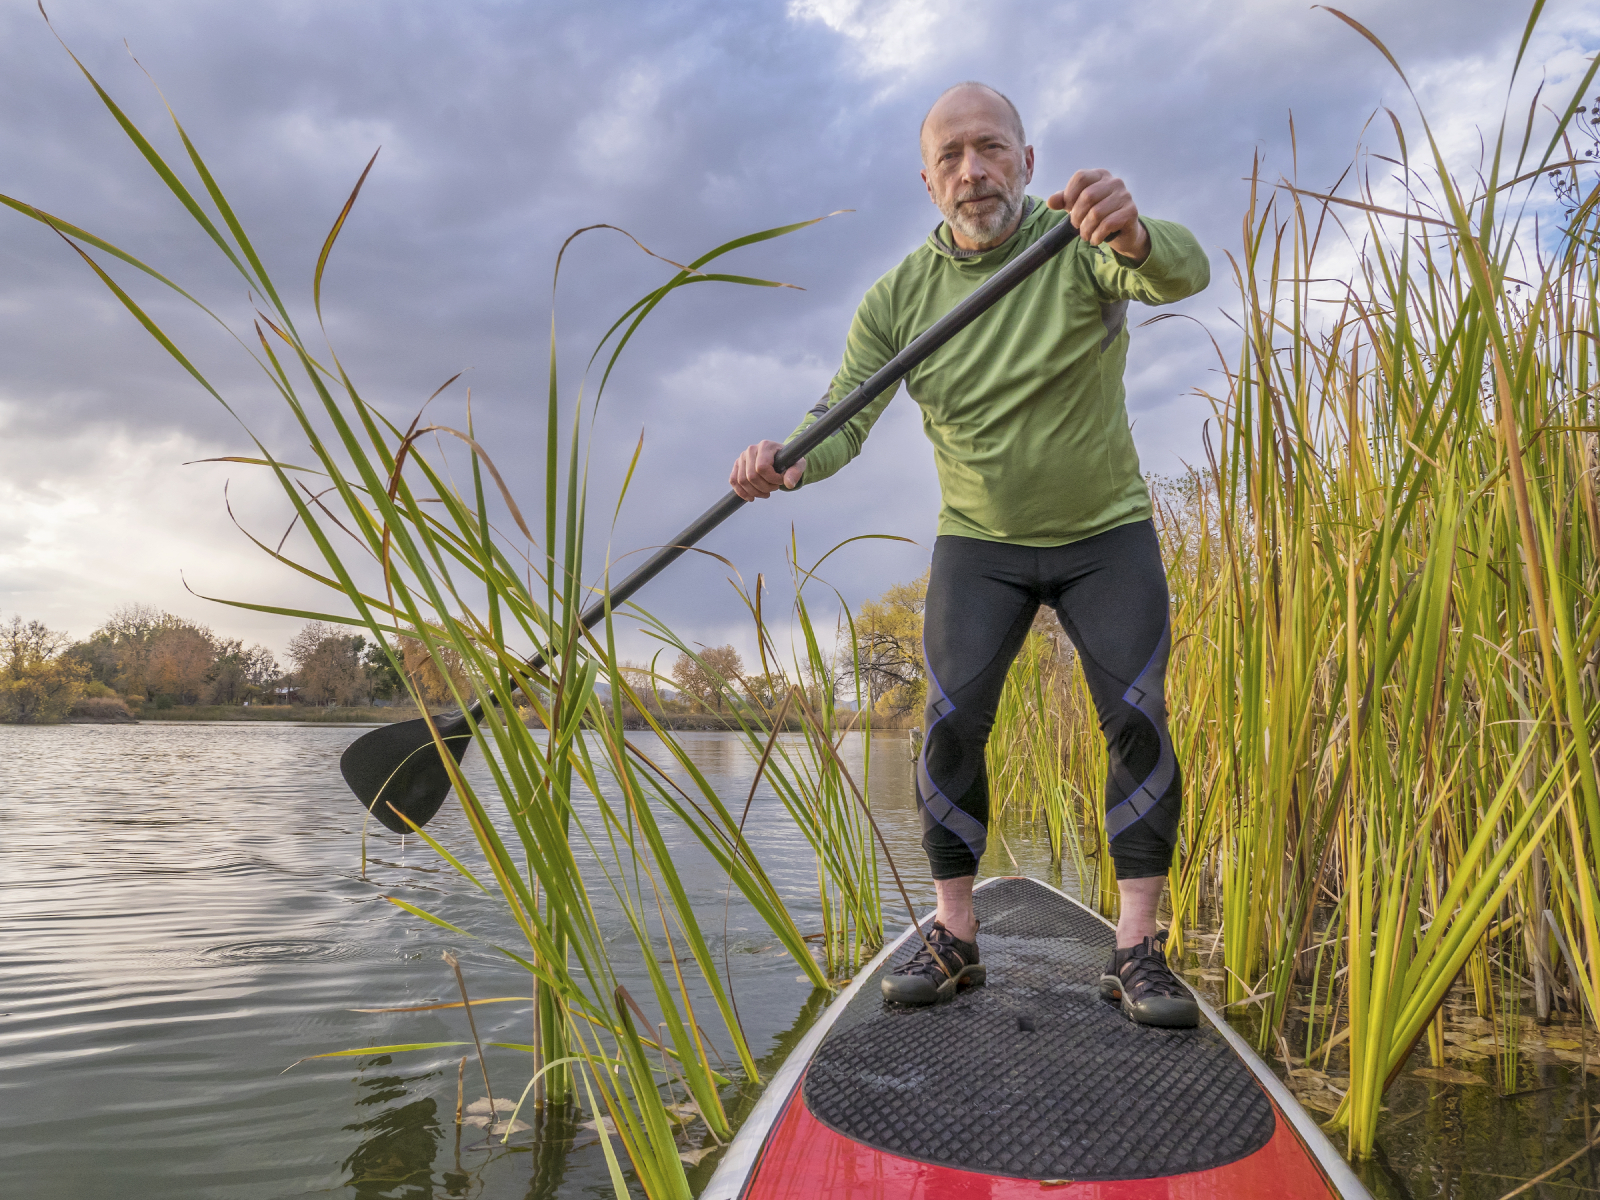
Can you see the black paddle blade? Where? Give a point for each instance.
(399, 765)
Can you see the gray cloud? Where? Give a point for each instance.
(504, 126)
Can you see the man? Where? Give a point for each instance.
(1043, 503)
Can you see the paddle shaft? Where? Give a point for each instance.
(919, 348)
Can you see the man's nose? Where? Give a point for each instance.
(972, 166)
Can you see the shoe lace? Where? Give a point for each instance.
(1146, 973)
(937, 957)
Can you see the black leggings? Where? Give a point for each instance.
(1110, 592)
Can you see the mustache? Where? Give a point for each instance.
(995, 194)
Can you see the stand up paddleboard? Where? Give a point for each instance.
(1030, 1086)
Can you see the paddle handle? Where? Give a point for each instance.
(885, 377)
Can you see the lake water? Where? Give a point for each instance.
(185, 916)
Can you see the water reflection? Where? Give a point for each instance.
(554, 1135)
(398, 1145)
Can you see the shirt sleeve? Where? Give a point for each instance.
(866, 349)
(1175, 267)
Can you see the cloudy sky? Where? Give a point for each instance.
(505, 126)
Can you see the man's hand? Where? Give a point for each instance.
(753, 476)
(1100, 207)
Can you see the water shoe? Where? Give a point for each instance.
(943, 966)
(1150, 994)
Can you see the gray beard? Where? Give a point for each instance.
(984, 229)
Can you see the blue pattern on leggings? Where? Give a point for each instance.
(1147, 694)
(932, 800)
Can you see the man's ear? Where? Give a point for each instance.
(929, 186)
(1027, 158)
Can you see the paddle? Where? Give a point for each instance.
(401, 764)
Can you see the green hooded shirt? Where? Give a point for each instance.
(1025, 407)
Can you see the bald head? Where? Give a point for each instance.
(968, 94)
(976, 164)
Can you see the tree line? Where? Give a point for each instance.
(143, 656)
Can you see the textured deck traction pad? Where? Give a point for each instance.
(1085, 1094)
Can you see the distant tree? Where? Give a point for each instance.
(38, 684)
(328, 663)
(237, 674)
(178, 660)
(889, 647)
(141, 651)
(428, 676)
(260, 668)
(766, 691)
(383, 680)
(133, 631)
(642, 679)
(709, 675)
(101, 658)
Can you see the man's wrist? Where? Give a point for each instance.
(1133, 247)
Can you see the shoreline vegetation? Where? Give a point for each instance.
(147, 665)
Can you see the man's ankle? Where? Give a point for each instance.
(954, 909)
(966, 929)
(1140, 898)
(1134, 935)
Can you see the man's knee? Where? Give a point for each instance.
(1139, 852)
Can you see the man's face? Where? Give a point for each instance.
(975, 166)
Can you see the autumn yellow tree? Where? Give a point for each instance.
(38, 685)
(178, 659)
(118, 653)
(889, 648)
(144, 652)
(428, 673)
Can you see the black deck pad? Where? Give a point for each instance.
(1034, 1076)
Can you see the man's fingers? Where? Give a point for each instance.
(1117, 222)
(1102, 212)
(754, 477)
(1091, 202)
(745, 476)
(765, 453)
(1079, 181)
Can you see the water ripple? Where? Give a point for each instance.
(185, 916)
